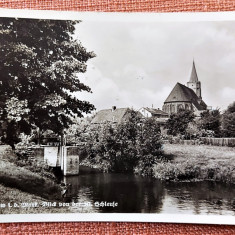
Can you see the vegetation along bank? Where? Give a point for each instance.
(137, 146)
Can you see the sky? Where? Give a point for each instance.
(138, 63)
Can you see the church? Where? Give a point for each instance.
(186, 97)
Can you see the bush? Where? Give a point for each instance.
(189, 170)
(133, 145)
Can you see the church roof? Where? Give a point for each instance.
(193, 77)
(181, 93)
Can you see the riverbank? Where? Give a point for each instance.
(185, 163)
(29, 190)
(16, 201)
(196, 162)
(26, 187)
(20, 177)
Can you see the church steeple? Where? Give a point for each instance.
(193, 77)
(193, 83)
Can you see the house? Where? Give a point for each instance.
(113, 116)
(151, 112)
(186, 97)
(160, 116)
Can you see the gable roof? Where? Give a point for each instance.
(193, 77)
(156, 111)
(181, 93)
(109, 115)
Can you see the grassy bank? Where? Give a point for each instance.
(32, 191)
(14, 176)
(197, 162)
(13, 195)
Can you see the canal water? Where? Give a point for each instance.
(135, 194)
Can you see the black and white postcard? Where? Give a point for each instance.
(117, 117)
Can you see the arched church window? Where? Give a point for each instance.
(180, 107)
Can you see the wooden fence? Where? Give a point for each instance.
(230, 142)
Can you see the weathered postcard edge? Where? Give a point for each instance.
(127, 217)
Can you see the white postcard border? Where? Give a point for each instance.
(119, 217)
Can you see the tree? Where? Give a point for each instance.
(133, 145)
(211, 121)
(192, 130)
(116, 144)
(228, 121)
(149, 146)
(178, 122)
(39, 62)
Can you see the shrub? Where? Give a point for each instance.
(133, 145)
(189, 170)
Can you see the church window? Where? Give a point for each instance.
(180, 107)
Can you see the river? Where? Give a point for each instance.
(136, 194)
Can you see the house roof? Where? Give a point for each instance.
(181, 93)
(109, 115)
(193, 77)
(156, 111)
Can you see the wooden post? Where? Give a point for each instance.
(39, 135)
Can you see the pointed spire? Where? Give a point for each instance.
(193, 77)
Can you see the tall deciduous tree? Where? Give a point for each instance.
(39, 63)
(178, 122)
(228, 121)
(211, 121)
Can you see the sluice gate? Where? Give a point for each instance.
(65, 157)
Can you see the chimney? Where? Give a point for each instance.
(114, 108)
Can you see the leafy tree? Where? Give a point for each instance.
(211, 121)
(134, 144)
(149, 146)
(228, 121)
(116, 143)
(39, 62)
(193, 130)
(178, 122)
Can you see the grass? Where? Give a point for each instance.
(197, 162)
(15, 176)
(23, 184)
(202, 153)
(13, 195)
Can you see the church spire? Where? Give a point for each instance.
(193, 83)
(193, 77)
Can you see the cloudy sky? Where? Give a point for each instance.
(138, 62)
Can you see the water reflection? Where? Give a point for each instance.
(136, 194)
(132, 193)
(201, 198)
